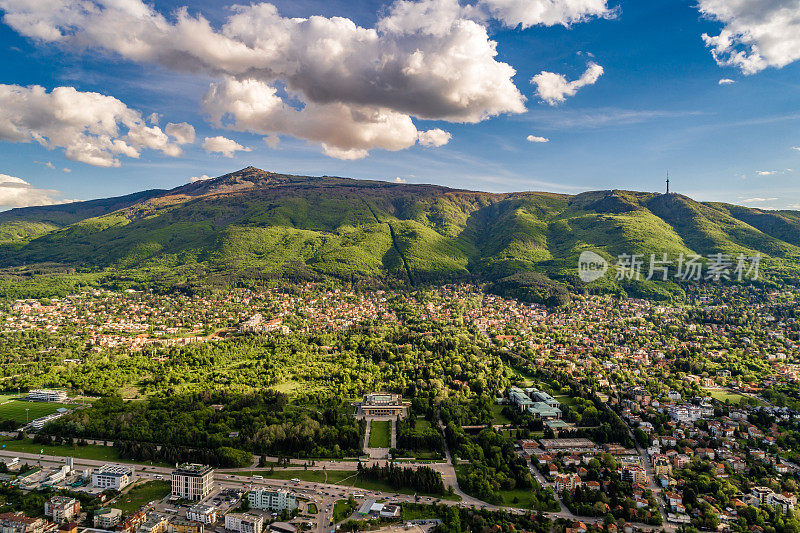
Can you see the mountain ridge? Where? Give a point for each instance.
(254, 224)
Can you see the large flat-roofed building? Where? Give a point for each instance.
(381, 404)
(192, 481)
(47, 395)
(206, 514)
(182, 525)
(107, 518)
(541, 396)
(62, 508)
(518, 397)
(568, 445)
(543, 411)
(115, 477)
(274, 500)
(154, 523)
(244, 523)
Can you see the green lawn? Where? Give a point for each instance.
(422, 424)
(727, 395)
(90, 451)
(380, 433)
(142, 494)
(312, 509)
(417, 512)
(16, 409)
(522, 498)
(431, 457)
(518, 498)
(497, 414)
(6, 397)
(346, 478)
(566, 400)
(342, 509)
(312, 476)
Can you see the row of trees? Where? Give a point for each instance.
(223, 456)
(423, 479)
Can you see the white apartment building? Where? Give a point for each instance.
(192, 481)
(685, 413)
(62, 508)
(115, 477)
(205, 514)
(244, 523)
(107, 518)
(274, 500)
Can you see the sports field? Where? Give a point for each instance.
(726, 395)
(16, 409)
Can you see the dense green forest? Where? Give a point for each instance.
(218, 421)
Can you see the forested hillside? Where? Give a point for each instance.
(253, 224)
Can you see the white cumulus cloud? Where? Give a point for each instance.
(344, 131)
(554, 88)
(202, 177)
(529, 13)
(766, 172)
(90, 127)
(434, 137)
(756, 34)
(398, 179)
(182, 132)
(431, 59)
(726, 81)
(537, 139)
(16, 192)
(223, 146)
(276, 75)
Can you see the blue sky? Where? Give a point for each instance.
(657, 107)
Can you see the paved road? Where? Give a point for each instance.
(324, 495)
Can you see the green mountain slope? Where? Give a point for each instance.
(253, 223)
(22, 224)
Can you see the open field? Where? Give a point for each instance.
(566, 400)
(498, 416)
(346, 478)
(724, 395)
(516, 498)
(6, 397)
(16, 409)
(342, 509)
(90, 451)
(312, 476)
(142, 494)
(380, 433)
(421, 423)
(420, 512)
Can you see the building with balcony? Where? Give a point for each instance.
(273, 500)
(192, 481)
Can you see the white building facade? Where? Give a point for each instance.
(274, 500)
(115, 477)
(192, 481)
